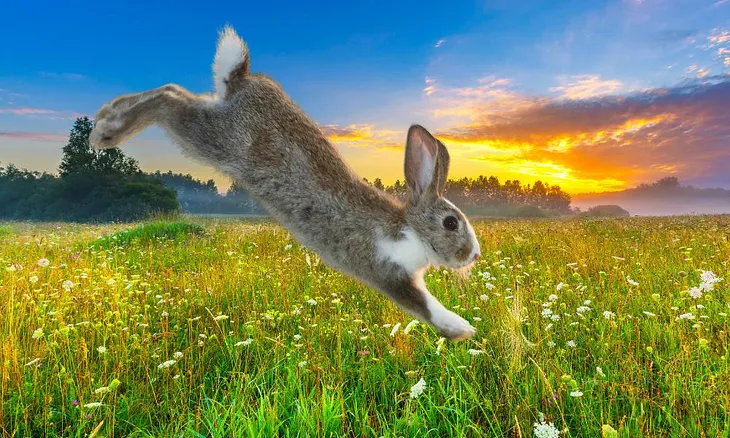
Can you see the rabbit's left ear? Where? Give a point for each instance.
(426, 164)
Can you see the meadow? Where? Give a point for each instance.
(228, 328)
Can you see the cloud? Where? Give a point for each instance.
(439, 43)
(585, 86)
(42, 112)
(362, 135)
(37, 136)
(603, 141)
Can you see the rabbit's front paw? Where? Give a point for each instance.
(451, 325)
(109, 126)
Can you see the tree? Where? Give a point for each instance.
(79, 157)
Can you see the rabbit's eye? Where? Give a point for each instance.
(451, 223)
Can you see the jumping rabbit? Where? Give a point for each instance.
(252, 131)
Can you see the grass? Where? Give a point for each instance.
(87, 343)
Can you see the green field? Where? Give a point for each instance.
(230, 329)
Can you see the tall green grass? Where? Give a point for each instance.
(267, 341)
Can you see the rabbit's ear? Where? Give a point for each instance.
(426, 164)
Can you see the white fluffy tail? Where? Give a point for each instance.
(231, 64)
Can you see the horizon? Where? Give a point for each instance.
(593, 96)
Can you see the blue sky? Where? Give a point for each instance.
(472, 72)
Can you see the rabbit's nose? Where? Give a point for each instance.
(476, 256)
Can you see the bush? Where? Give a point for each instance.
(606, 211)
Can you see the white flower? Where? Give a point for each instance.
(418, 388)
(545, 430)
(550, 344)
(395, 330)
(695, 292)
(546, 313)
(93, 405)
(101, 390)
(476, 318)
(571, 344)
(649, 313)
(553, 297)
(312, 302)
(68, 284)
(101, 349)
(439, 345)
(287, 247)
(489, 286)
(560, 286)
(599, 370)
(582, 309)
(38, 333)
(554, 317)
(111, 282)
(587, 302)
(576, 394)
(44, 262)
(33, 279)
(410, 326)
(177, 355)
(687, 316)
(297, 337)
(608, 314)
(631, 282)
(302, 364)
(166, 364)
(474, 352)
(220, 318)
(483, 297)
(164, 314)
(245, 343)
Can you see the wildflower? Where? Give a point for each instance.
(554, 317)
(649, 313)
(75, 403)
(608, 314)
(93, 405)
(395, 330)
(483, 297)
(543, 429)
(102, 390)
(302, 364)
(312, 302)
(68, 285)
(44, 262)
(546, 312)
(550, 344)
(111, 282)
(571, 344)
(587, 302)
(166, 364)
(220, 318)
(582, 309)
(489, 286)
(164, 314)
(695, 292)
(599, 371)
(33, 279)
(101, 349)
(177, 355)
(439, 345)
(38, 333)
(418, 388)
(560, 286)
(476, 318)
(297, 337)
(474, 352)
(245, 343)
(631, 282)
(576, 394)
(687, 316)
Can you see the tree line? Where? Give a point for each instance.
(96, 186)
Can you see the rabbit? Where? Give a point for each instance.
(252, 131)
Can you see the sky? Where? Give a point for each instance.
(591, 95)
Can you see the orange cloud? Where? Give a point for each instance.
(362, 135)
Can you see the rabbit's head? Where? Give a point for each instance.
(446, 232)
